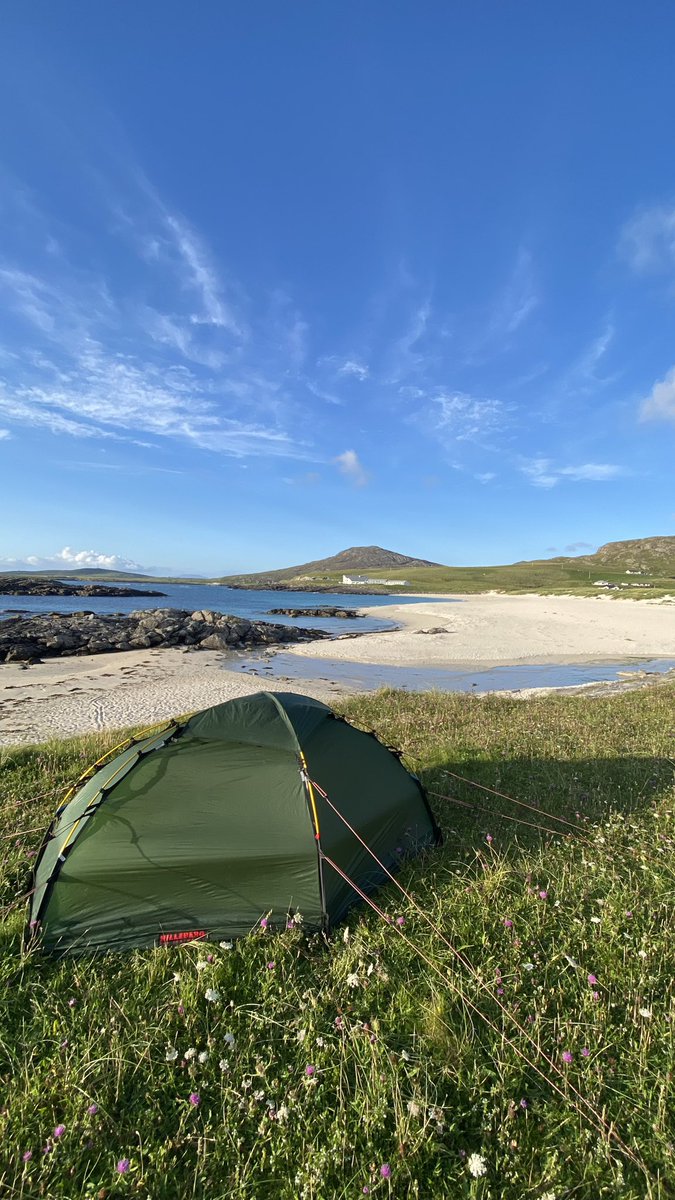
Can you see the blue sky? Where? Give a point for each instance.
(276, 279)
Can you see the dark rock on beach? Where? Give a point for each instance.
(13, 586)
(30, 639)
(326, 611)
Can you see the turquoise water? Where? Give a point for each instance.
(363, 677)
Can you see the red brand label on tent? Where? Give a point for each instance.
(185, 935)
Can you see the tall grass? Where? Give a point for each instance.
(351, 1066)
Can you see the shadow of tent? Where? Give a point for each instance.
(582, 791)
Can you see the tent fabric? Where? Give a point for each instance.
(202, 829)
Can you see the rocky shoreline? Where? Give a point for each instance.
(325, 611)
(11, 586)
(30, 639)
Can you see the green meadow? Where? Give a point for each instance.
(504, 1030)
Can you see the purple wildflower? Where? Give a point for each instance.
(500, 991)
(629, 915)
(59, 1131)
(271, 966)
(523, 1103)
(385, 1171)
(195, 1099)
(209, 958)
(123, 1165)
(400, 921)
(508, 923)
(592, 979)
(365, 1190)
(543, 895)
(585, 1052)
(47, 1148)
(310, 1070)
(27, 1155)
(181, 1010)
(290, 925)
(339, 1023)
(92, 1110)
(489, 839)
(595, 995)
(567, 1056)
(72, 1002)
(264, 922)
(34, 924)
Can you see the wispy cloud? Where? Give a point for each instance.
(648, 240)
(4, 435)
(352, 468)
(357, 369)
(542, 472)
(659, 405)
(464, 418)
(89, 364)
(575, 547)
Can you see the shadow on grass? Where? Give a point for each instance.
(582, 792)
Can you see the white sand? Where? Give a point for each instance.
(62, 697)
(493, 630)
(66, 696)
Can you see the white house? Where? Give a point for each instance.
(366, 579)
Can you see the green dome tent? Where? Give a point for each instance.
(202, 829)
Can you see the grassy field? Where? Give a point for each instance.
(544, 578)
(391, 1059)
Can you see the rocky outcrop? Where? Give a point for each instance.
(12, 586)
(326, 611)
(30, 639)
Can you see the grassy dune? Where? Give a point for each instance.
(353, 1066)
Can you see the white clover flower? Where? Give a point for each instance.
(596, 920)
(345, 934)
(203, 1055)
(353, 980)
(259, 1094)
(646, 1013)
(176, 977)
(528, 966)
(405, 1056)
(212, 994)
(229, 1038)
(202, 964)
(298, 918)
(320, 1041)
(642, 953)
(301, 1035)
(414, 1108)
(282, 1113)
(226, 945)
(547, 1196)
(190, 1053)
(224, 1064)
(371, 968)
(477, 1165)
(171, 1054)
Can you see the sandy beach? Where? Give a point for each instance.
(66, 696)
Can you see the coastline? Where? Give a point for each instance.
(63, 697)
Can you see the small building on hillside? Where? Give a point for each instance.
(360, 579)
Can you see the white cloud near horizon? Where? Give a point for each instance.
(542, 472)
(68, 557)
(659, 405)
(350, 466)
